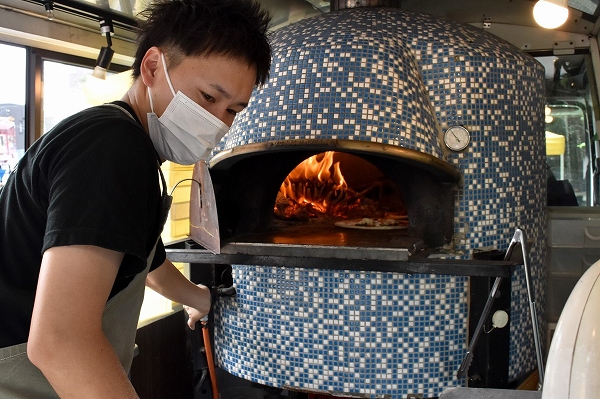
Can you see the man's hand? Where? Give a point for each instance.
(194, 316)
(170, 283)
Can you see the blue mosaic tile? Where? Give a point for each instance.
(394, 77)
(354, 83)
(370, 333)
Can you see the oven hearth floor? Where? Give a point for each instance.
(333, 241)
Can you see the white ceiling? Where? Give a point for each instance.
(502, 16)
(514, 12)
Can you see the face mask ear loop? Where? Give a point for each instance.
(162, 55)
(150, 98)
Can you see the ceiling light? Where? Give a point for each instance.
(103, 62)
(106, 53)
(551, 14)
(49, 6)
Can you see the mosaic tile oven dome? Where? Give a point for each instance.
(346, 78)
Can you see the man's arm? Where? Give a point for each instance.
(66, 341)
(168, 281)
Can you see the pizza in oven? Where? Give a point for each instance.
(385, 223)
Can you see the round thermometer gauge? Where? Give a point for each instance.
(457, 138)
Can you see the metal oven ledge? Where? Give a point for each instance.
(335, 257)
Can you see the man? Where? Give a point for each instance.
(81, 214)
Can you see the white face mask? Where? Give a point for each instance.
(185, 133)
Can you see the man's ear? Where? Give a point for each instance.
(149, 66)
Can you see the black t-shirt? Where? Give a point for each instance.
(92, 180)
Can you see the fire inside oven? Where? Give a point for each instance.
(363, 196)
(343, 189)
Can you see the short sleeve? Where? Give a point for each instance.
(102, 183)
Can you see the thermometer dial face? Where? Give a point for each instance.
(457, 138)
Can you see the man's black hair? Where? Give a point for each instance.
(181, 28)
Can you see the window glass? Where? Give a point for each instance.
(12, 107)
(63, 92)
(570, 131)
(69, 89)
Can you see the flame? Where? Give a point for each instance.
(316, 188)
(314, 182)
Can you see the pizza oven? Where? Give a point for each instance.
(362, 243)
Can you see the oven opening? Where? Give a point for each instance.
(335, 194)
(342, 189)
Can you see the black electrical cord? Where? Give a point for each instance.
(181, 181)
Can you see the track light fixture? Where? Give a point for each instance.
(49, 6)
(106, 53)
(551, 14)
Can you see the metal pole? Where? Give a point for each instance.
(534, 319)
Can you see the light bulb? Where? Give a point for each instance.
(99, 72)
(550, 14)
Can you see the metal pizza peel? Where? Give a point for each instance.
(204, 221)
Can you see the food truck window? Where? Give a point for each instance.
(69, 88)
(12, 107)
(571, 136)
(47, 86)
